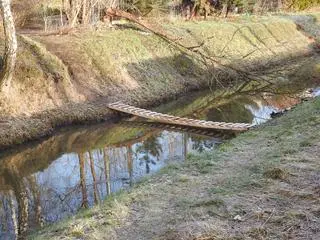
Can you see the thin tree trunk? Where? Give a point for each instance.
(37, 200)
(225, 9)
(11, 46)
(72, 9)
(85, 12)
(130, 164)
(147, 167)
(280, 5)
(76, 9)
(99, 17)
(107, 171)
(13, 212)
(185, 144)
(21, 195)
(61, 13)
(83, 185)
(94, 178)
(3, 214)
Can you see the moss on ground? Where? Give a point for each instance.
(253, 187)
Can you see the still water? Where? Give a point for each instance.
(78, 167)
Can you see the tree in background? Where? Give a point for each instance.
(10, 52)
(86, 11)
(24, 10)
(302, 4)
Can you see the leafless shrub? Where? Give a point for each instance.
(24, 10)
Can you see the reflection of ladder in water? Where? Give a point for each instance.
(165, 118)
(174, 128)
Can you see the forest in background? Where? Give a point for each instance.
(73, 12)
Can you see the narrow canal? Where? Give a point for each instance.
(46, 181)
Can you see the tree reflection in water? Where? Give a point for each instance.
(35, 191)
(20, 192)
(200, 144)
(147, 150)
(107, 170)
(94, 179)
(234, 111)
(83, 184)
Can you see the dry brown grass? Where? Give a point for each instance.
(276, 173)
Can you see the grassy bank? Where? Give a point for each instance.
(264, 184)
(69, 79)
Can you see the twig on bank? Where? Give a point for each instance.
(268, 219)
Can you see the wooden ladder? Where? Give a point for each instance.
(169, 119)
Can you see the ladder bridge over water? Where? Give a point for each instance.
(169, 119)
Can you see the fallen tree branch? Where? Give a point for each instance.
(190, 51)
